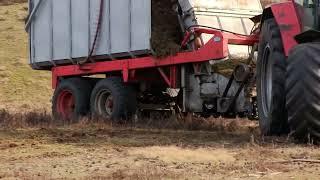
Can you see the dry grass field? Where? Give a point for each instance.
(21, 88)
(32, 146)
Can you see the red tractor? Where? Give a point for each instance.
(287, 73)
(288, 67)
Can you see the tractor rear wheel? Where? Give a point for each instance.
(303, 95)
(71, 99)
(111, 99)
(271, 68)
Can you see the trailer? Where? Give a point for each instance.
(77, 40)
(102, 64)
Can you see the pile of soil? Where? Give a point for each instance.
(166, 31)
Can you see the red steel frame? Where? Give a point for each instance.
(215, 49)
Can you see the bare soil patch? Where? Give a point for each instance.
(100, 151)
(183, 149)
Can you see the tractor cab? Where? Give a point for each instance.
(309, 12)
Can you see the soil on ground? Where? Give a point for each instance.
(100, 151)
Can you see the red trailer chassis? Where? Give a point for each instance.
(215, 49)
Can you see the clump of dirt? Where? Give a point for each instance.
(8, 145)
(166, 32)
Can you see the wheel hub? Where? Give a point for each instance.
(66, 105)
(109, 104)
(104, 103)
(266, 81)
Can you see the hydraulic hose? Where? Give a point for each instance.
(96, 34)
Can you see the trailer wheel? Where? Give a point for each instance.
(271, 67)
(112, 100)
(71, 99)
(303, 95)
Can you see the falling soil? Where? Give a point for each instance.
(166, 32)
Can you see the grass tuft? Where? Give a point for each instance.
(42, 119)
(25, 119)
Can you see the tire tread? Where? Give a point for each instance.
(303, 86)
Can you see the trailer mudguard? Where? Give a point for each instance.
(287, 18)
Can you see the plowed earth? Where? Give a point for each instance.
(231, 149)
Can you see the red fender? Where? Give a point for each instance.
(286, 16)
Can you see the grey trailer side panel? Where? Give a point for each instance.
(80, 28)
(120, 26)
(61, 29)
(42, 31)
(64, 30)
(102, 46)
(139, 9)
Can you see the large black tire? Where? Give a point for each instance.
(112, 100)
(71, 99)
(303, 95)
(271, 68)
